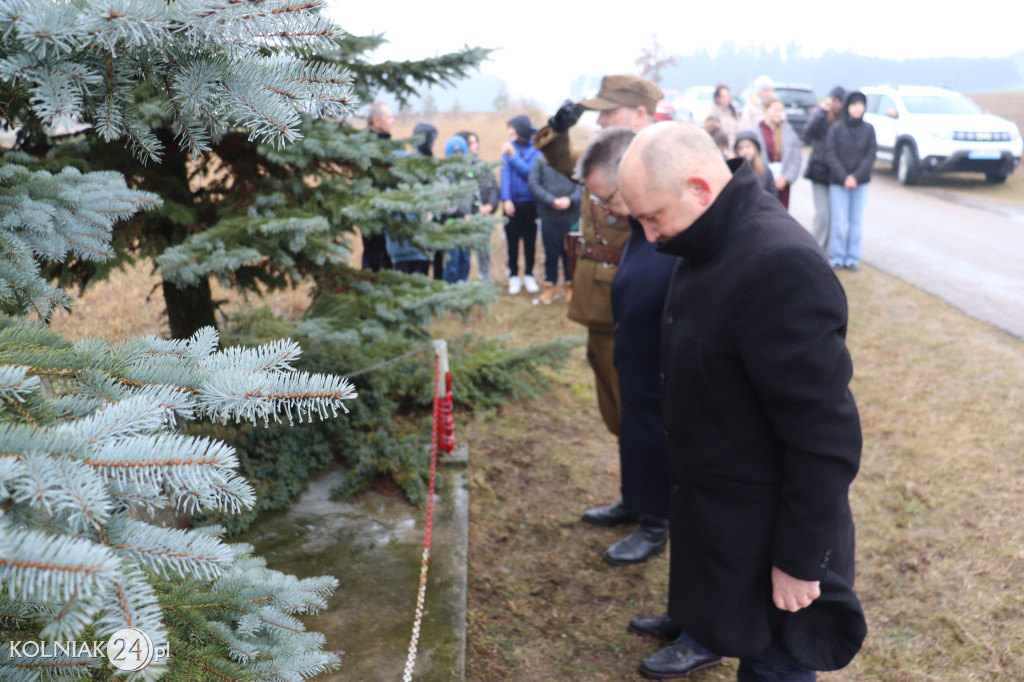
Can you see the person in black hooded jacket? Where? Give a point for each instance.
(850, 153)
(831, 110)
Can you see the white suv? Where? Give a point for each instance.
(934, 130)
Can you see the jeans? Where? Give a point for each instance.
(773, 665)
(551, 234)
(457, 268)
(847, 209)
(522, 227)
(822, 225)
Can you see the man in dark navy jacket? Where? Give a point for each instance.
(763, 436)
(637, 297)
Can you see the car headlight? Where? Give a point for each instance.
(942, 134)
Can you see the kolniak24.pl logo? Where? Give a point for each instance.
(127, 649)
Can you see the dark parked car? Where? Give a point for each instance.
(800, 103)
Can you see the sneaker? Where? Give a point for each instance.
(515, 285)
(531, 284)
(550, 294)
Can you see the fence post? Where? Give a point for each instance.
(443, 398)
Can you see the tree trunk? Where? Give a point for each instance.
(188, 308)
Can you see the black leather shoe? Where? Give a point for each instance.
(656, 627)
(612, 515)
(676, 660)
(649, 538)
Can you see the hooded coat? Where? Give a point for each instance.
(850, 146)
(515, 169)
(762, 434)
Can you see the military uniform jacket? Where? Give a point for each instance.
(591, 283)
(762, 434)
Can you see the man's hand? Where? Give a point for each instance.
(561, 203)
(850, 182)
(792, 594)
(566, 116)
(486, 209)
(781, 182)
(509, 208)
(507, 149)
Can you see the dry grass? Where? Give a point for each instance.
(938, 505)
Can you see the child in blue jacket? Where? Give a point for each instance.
(517, 155)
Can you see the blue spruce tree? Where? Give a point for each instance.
(90, 444)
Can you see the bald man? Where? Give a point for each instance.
(763, 436)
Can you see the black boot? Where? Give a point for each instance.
(649, 538)
(612, 515)
(655, 627)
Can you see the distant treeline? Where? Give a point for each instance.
(737, 66)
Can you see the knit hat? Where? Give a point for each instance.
(762, 82)
(827, 634)
(838, 92)
(625, 91)
(524, 130)
(747, 135)
(429, 132)
(455, 144)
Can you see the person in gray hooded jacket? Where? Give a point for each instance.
(558, 207)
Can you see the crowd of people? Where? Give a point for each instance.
(839, 166)
(716, 335)
(533, 195)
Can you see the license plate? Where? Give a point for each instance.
(984, 154)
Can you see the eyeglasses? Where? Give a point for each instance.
(603, 203)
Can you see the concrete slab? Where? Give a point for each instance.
(373, 545)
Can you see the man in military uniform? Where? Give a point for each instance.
(627, 101)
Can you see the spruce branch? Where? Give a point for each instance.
(42, 567)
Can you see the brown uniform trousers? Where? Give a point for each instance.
(591, 283)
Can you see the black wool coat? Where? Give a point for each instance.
(763, 436)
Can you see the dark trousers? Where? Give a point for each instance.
(412, 267)
(522, 227)
(439, 265)
(551, 235)
(774, 664)
(375, 253)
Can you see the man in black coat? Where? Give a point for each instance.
(763, 436)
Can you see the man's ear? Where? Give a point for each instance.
(699, 186)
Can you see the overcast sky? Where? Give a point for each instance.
(542, 51)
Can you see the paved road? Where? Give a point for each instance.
(966, 251)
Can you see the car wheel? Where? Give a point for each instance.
(995, 177)
(907, 167)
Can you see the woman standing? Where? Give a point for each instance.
(487, 198)
(817, 170)
(850, 154)
(558, 205)
(781, 149)
(725, 112)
